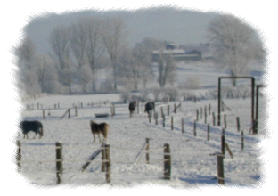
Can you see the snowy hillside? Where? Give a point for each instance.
(191, 162)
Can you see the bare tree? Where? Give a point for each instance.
(142, 58)
(114, 39)
(84, 76)
(46, 73)
(94, 46)
(60, 43)
(237, 44)
(67, 77)
(78, 41)
(26, 52)
(166, 68)
(28, 80)
(129, 70)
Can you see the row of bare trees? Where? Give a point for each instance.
(79, 51)
(87, 45)
(84, 46)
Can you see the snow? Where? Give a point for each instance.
(191, 163)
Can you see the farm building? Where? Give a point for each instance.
(184, 52)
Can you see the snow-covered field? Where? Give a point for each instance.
(191, 162)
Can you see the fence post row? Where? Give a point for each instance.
(58, 161)
(167, 162)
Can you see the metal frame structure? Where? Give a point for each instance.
(252, 79)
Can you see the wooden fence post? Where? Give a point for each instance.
(167, 162)
(163, 124)
(58, 105)
(194, 128)
(168, 109)
(208, 132)
(220, 169)
(238, 124)
(107, 158)
(43, 114)
(162, 113)
(137, 107)
(242, 141)
(172, 123)
(156, 118)
(69, 112)
(76, 112)
(209, 109)
(182, 125)
(58, 162)
(223, 144)
(197, 115)
(147, 150)
(213, 118)
(18, 155)
(175, 108)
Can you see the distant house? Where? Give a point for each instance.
(183, 52)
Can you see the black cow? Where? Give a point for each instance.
(35, 126)
(131, 107)
(149, 106)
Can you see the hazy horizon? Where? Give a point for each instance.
(170, 24)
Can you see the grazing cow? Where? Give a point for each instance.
(149, 106)
(35, 126)
(131, 107)
(98, 129)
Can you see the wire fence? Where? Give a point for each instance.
(165, 160)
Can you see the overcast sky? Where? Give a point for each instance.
(179, 26)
